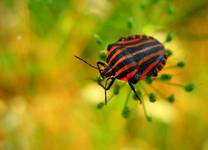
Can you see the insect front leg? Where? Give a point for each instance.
(110, 84)
(99, 64)
(107, 87)
(99, 81)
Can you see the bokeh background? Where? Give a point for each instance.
(48, 98)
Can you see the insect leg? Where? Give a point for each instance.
(107, 87)
(99, 63)
(133, 89)
(100, 83)
(110, 84)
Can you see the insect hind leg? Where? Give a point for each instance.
(133, 89)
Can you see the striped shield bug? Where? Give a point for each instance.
(131, 59)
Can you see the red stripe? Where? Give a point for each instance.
(112, 49)
(125, 68)
(130, 46)
(144, 73)
(131, 55)
(129, 75)
(146, 58)
(160, 52)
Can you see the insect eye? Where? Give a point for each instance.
(103, 72)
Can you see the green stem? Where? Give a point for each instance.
(174, 84)
(143, 88)
(147, 116)
(144, 106)
(113, 94)
(127, 98)
(170, 67)
(159, 92)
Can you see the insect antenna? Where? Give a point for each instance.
(86, 62)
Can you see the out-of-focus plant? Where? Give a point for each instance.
(41, 86)
(46, 13)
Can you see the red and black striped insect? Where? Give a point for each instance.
(131, 59)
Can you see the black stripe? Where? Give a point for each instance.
(153, 71)
(138, 37)
(119, 46)
(144, 65)
(135, 58)
(124, 44)
(131, 50)
(141, 68)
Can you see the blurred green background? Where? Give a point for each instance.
(48, 98)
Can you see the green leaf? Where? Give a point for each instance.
(165, 77)
(180, 64)
(171, 98)
(130, 23)
(98, 39)
(170, 10)
(152, 97)
(169, 52)
(169, 37)
(126, 112)
(148, 80)
(102, 55)
(189, 87)
(116, 89)
(100, 105)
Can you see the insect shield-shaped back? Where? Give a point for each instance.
(136, 57)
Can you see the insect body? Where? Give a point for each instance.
(132, 59)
